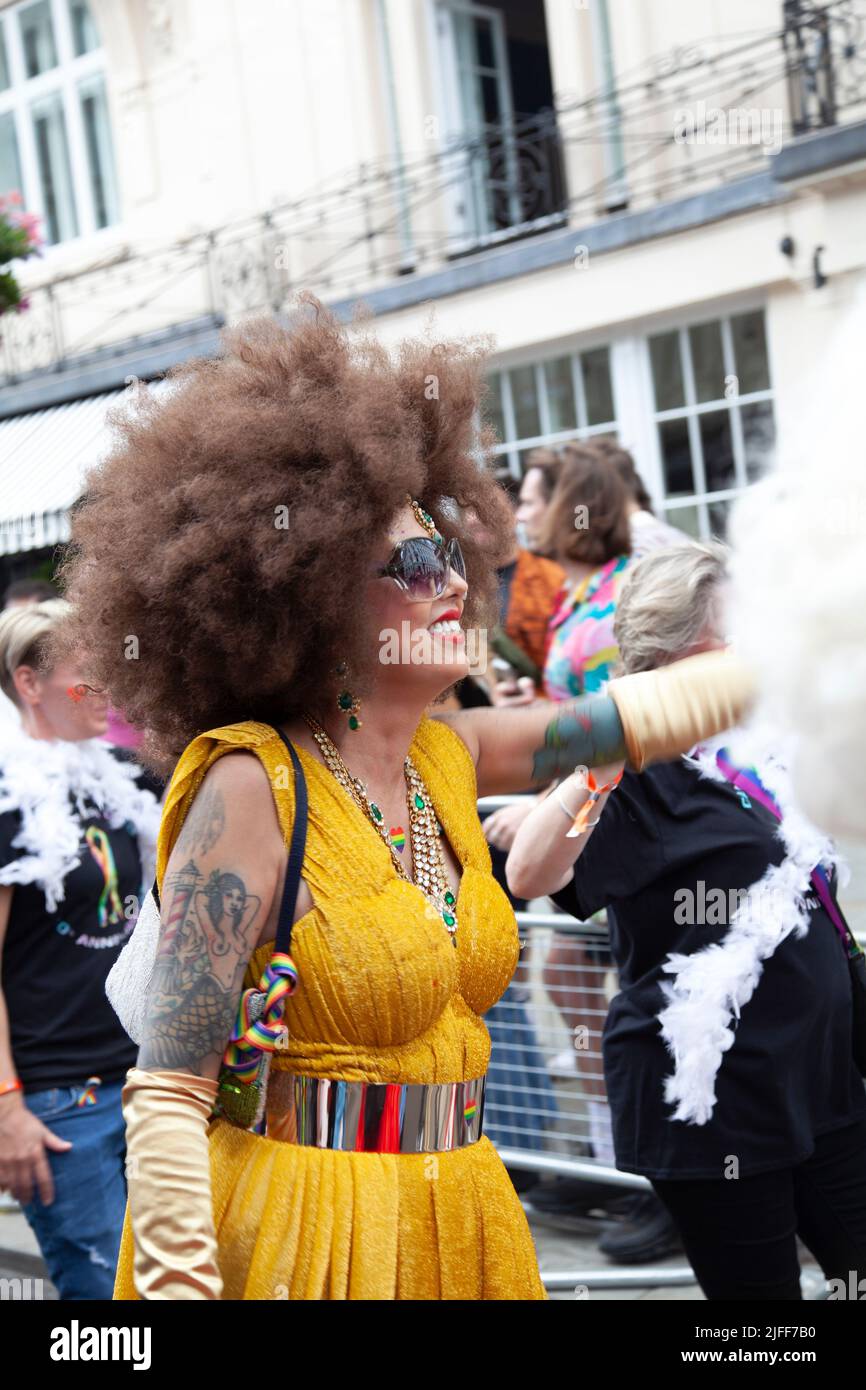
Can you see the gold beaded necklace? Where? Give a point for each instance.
(428, 861)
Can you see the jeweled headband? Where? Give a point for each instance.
(424, 518)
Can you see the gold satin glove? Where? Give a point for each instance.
(666, 711)
(168, 1166)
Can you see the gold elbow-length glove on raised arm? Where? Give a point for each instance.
(667, 711)
(168, 1167)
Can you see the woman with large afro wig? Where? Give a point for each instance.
(271, 574)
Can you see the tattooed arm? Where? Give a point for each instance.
(220, 883)
(644, 717)
(517, 748)
(219, 887)
(217, 893)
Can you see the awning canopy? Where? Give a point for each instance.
(43, 459)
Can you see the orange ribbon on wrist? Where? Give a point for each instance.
(579, 824)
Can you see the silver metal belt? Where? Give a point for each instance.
(369, 1117)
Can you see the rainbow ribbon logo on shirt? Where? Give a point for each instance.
(110, 908)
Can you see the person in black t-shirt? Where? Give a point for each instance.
(77, 841)
(753, 1132)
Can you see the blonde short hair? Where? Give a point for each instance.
(25, 635)
(666, 602)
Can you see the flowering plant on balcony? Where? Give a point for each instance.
(19, 238)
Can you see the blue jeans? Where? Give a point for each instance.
(79, 1233)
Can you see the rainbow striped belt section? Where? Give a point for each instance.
(362, 1116)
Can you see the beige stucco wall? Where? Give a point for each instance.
(223, 108)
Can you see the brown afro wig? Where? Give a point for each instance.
(217, 555)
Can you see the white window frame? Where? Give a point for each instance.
(463, 190)
(64, 81)
(701, 497)
(537, 360)
(636, 418)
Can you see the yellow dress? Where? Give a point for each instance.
(383, 996)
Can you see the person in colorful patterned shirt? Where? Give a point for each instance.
(587, 528)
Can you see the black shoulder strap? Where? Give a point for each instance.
(296, 854)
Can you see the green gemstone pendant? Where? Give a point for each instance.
(344, 700)
(375, 809)
(419, 801)
(450, 899)
(354, 722)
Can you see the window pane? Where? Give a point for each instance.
(52, 154)
(596, 386)
(85, 36)
(687, 519)
(525, 402)
(493, 404)
(707, 361)
(560, 394)
(759, 437)
(4, 62)
(718, 450)
(667, 371)
(750, 352)
(489, 90)
(10, 168)
(97, 134)
(483, 54)
(37, 38)
(676, 457)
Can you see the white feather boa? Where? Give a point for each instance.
(44, 779)
(710, 988)
(798, 614)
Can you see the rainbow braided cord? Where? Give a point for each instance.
(254, 1035)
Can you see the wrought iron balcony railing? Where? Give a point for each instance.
(385, 220)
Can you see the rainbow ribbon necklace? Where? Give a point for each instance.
(747, 783)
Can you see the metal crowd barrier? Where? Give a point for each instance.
(544, 1075)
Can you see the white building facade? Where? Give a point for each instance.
(656, 209)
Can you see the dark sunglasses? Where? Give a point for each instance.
(420, 566)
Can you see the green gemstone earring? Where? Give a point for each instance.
(347, 702)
